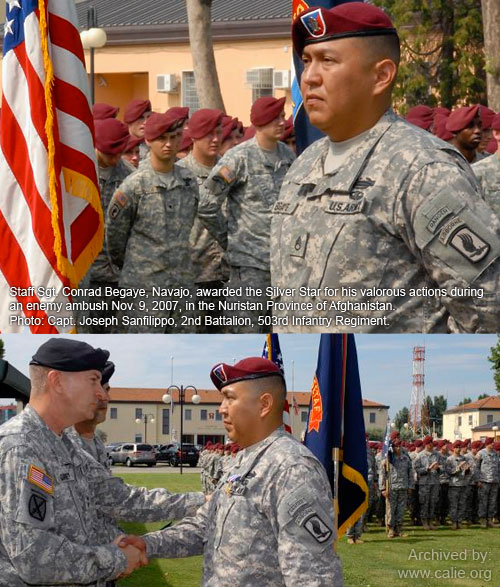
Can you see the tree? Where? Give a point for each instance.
(491, 18)
(494, 359)
(2, 349)
(442, 51)
(483, 396)
(101, 435)
(199, 14)
(401, 418)
(466, 400)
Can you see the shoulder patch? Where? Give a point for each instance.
(37, 507)
(469, 244)
(41, 479)
(227, 174)
(120, 198)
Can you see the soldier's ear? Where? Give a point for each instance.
(266, 404)
(385, 74)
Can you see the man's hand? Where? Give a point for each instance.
(134, 549)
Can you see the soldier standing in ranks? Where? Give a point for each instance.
(427, 467)
(248, 178)
(131, 153)
(230, 134)
(459, 472)
(111, 139)
(380, 507)
(149, 221)
(444, 481)
(472, 504)
(488, 171)
(472, 480)
(202, 463)
(414, 499)
(378, 203)
(210, 269)
(135, 115)
(489, 476)
(400, 481)
(465, 124)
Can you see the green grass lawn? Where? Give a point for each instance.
(379, 562)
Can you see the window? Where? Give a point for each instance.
(218, 416)
(138, 438)
(165, 424)
(261, 82)
(303, 416)
(113, 413)
(459, 420)
(188, 412)
(203, 414)
(189, 95)
(373, 417)
(470, 420)
(489, 419)
(138, 413)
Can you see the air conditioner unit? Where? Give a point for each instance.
(259, 78)
(167, 83)
(282, 79)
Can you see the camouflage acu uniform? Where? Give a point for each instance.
(380, 508)
(459, 473)
(103, 273)
(489, 472)
(149, 221)
(269, 522)
(428, 483)
(404, 212)
(210, 267)
(400, 481)
(444, 484)
(249, 182)
(488, 173)
(94, 447)
(48, 530)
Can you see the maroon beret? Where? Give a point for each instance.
(186, 142)
(492, 146)
(440, 128)
(396, 442)
(488, 440)
(418, 442)
(441, 443)
(351, 19)
(495, 122)
(487, 116)
(111, 136)
(251, 368)
(394, 434)
(441, 110)
(476, 444)
(266, 109)
(457, 444)
(427, 440)
(421, 116)
(101, 111)
(203, 122)
(248, 134)
(132, 143)
(157, 123)
(228, 125)
(181, 111)
(289, 129)
(135, 109)
(461, 118)
(496, 446)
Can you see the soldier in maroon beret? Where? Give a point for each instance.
(421, 116)
(131, 153)
(186, 145)
(465, 124)
(230, 134)
(101, 111)
(288, 136)
(487, 170)
(439, 128)
(135, 115)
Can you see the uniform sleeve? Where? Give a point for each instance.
(187, 538)
(420, 466)
(138, 504)
(215, 191)
(455, 236)
(301, 513)
(119, 221)
(37, 550)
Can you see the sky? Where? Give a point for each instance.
(456, 366)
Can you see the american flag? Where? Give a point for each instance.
(272, 352)
(41, 479)
(51, 220)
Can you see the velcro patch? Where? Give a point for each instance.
(120, 198)
(227, 174)
(449, 228)
(114, 210)
(438, 217)
(37, 507)
(469, 244)
(317, 529)
(285, 207)
(343, 205)
(40, 478)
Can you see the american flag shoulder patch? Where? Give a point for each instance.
(40, 478)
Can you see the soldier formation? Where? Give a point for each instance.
(215, 460)
(436, 482)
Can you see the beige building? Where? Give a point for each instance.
(160, 424)
(461, 422)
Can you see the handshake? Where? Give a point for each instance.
(134, 549)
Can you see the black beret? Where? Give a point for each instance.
(107, 372)
(67, 354)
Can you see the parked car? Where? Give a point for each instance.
(171, 453)
(133, 453)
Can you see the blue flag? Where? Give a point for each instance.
(305, 133)
(336, 426)
(272, 352)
